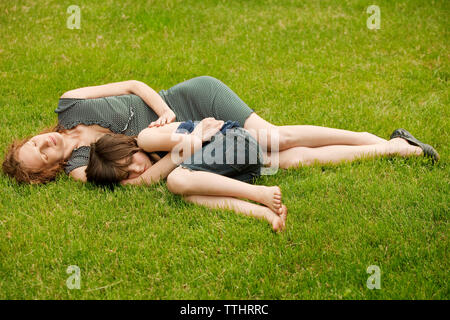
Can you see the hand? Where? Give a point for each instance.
(207, 128)
(139, 180)
(127, 182)
(166, 118)
(132, 181)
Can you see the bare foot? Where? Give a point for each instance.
(279, 222)
(401, 147)
(271, 197)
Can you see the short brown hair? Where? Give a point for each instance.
(104, 167)
(14, 168)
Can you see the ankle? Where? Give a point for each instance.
(260, 193)
(269, 215)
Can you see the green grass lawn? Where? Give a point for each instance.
(294, 62)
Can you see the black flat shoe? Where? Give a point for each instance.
(427, 149)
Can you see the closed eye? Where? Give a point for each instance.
(44, 155)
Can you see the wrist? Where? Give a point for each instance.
(195, 134)
(196, 140)
(196, 143)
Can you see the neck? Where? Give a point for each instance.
(70, 143)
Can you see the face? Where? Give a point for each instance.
(139, 163)
(42, 151)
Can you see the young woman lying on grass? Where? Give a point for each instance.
(86, 114)
(202, 177)
(211, 163)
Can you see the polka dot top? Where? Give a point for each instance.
(125, 114)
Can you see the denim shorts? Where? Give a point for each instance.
(235, 154)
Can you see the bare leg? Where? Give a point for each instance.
(306, 135)
(277, 222)
(335, 154)
(185, 182)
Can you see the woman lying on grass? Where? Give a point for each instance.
(128, 107)
(216, 174)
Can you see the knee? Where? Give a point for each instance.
(365, 134)
(178, 181)
(285, 138)
(308, 156)
(272, 137)
(298, 156)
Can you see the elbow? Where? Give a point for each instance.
(142, 139)
(136, 82)
(134, 85)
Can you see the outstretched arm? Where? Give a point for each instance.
(150, 96)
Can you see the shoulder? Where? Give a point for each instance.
(79, 174)
(66, 103)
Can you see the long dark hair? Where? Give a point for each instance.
(104, 167)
